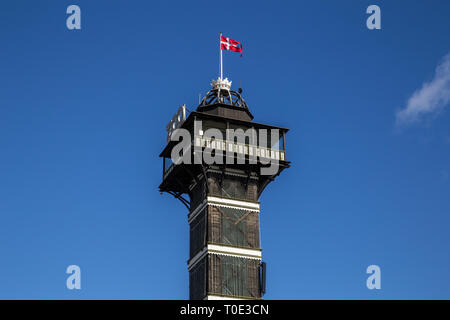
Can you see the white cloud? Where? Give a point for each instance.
(430, 99)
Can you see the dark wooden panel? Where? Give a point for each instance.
(233, 276)
(197, 280)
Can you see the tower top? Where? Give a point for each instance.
(221, 93)
(221, 84)
(221, 98)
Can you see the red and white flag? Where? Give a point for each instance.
(230, 44)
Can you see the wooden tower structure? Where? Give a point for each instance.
(222, 195)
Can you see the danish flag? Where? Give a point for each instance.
(230, 44)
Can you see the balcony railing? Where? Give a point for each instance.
(240, 148)
(227, 146)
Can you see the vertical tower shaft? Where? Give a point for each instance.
(225, 251)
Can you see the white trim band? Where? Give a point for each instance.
(224, 202)
(250, 205)
(212, 297)
(197, 258)
(246, 253)
(194, 214)
(235, 251)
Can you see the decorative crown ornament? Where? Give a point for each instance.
(221, 84)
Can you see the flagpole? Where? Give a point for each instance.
(221, 62)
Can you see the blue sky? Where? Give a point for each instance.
(83, 116)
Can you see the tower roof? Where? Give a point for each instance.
(221, 96)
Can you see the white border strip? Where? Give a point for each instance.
(212, 297)
(234, 203)
(197, 258)
(225, 251)
(192, 215)
(232, 207)
(224, 202)
(235, 251)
